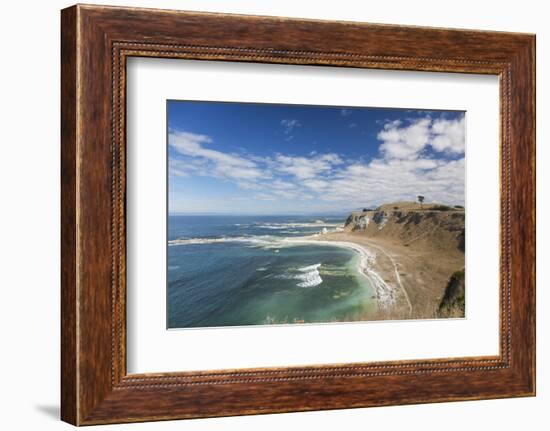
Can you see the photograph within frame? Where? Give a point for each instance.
(302, 214)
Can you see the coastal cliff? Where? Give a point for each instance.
(433, 226)
(419, 253)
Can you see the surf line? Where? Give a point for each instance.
(397, 276)
(385, 294)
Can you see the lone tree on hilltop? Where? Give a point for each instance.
(420, 200)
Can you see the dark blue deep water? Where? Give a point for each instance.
(237, 270)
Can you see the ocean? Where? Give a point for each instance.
(237, 270)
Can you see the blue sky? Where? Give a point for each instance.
(244, 158)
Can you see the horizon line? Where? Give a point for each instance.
(256, 214)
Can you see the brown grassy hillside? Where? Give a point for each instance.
(425, 245)
(436, 226)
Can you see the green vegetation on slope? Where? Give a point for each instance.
(452, 304)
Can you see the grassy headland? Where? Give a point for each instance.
(415, 252)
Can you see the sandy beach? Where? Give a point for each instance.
(409, 280)
(385, 293)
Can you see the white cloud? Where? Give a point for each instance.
(184, 168)
(345, 112)
(177, 168)
(289, 125)
(265, 197)
(247, 185)
(449, 135)
(408, 142)
(190, 144)
(310, 167)
(282, 185)
(287, 194)
(383, 180)
(423, 156)
(316, 185)
(404, 169)
(332, 158)
(404, 142)
(215, 162)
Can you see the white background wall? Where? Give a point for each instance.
(29, 214)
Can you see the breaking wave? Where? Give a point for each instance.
(261, 240)
(307, 276)
(310, 268)
(293, 225)
(310, 276)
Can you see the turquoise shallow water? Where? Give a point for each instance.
(234, 271)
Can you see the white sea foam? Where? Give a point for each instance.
(272, 227)
(267, 241)
(260, 240)
(316, 224)
(307, 276)
(310, 276)
(385, 294)
(310, 268)
(311, 280)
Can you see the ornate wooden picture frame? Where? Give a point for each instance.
(96, 41)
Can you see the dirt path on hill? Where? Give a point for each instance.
(421, 274)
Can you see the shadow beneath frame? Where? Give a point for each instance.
(52, 411)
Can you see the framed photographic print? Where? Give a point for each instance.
(272, 233)
(268, 215)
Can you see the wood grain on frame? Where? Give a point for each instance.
(96, 41)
